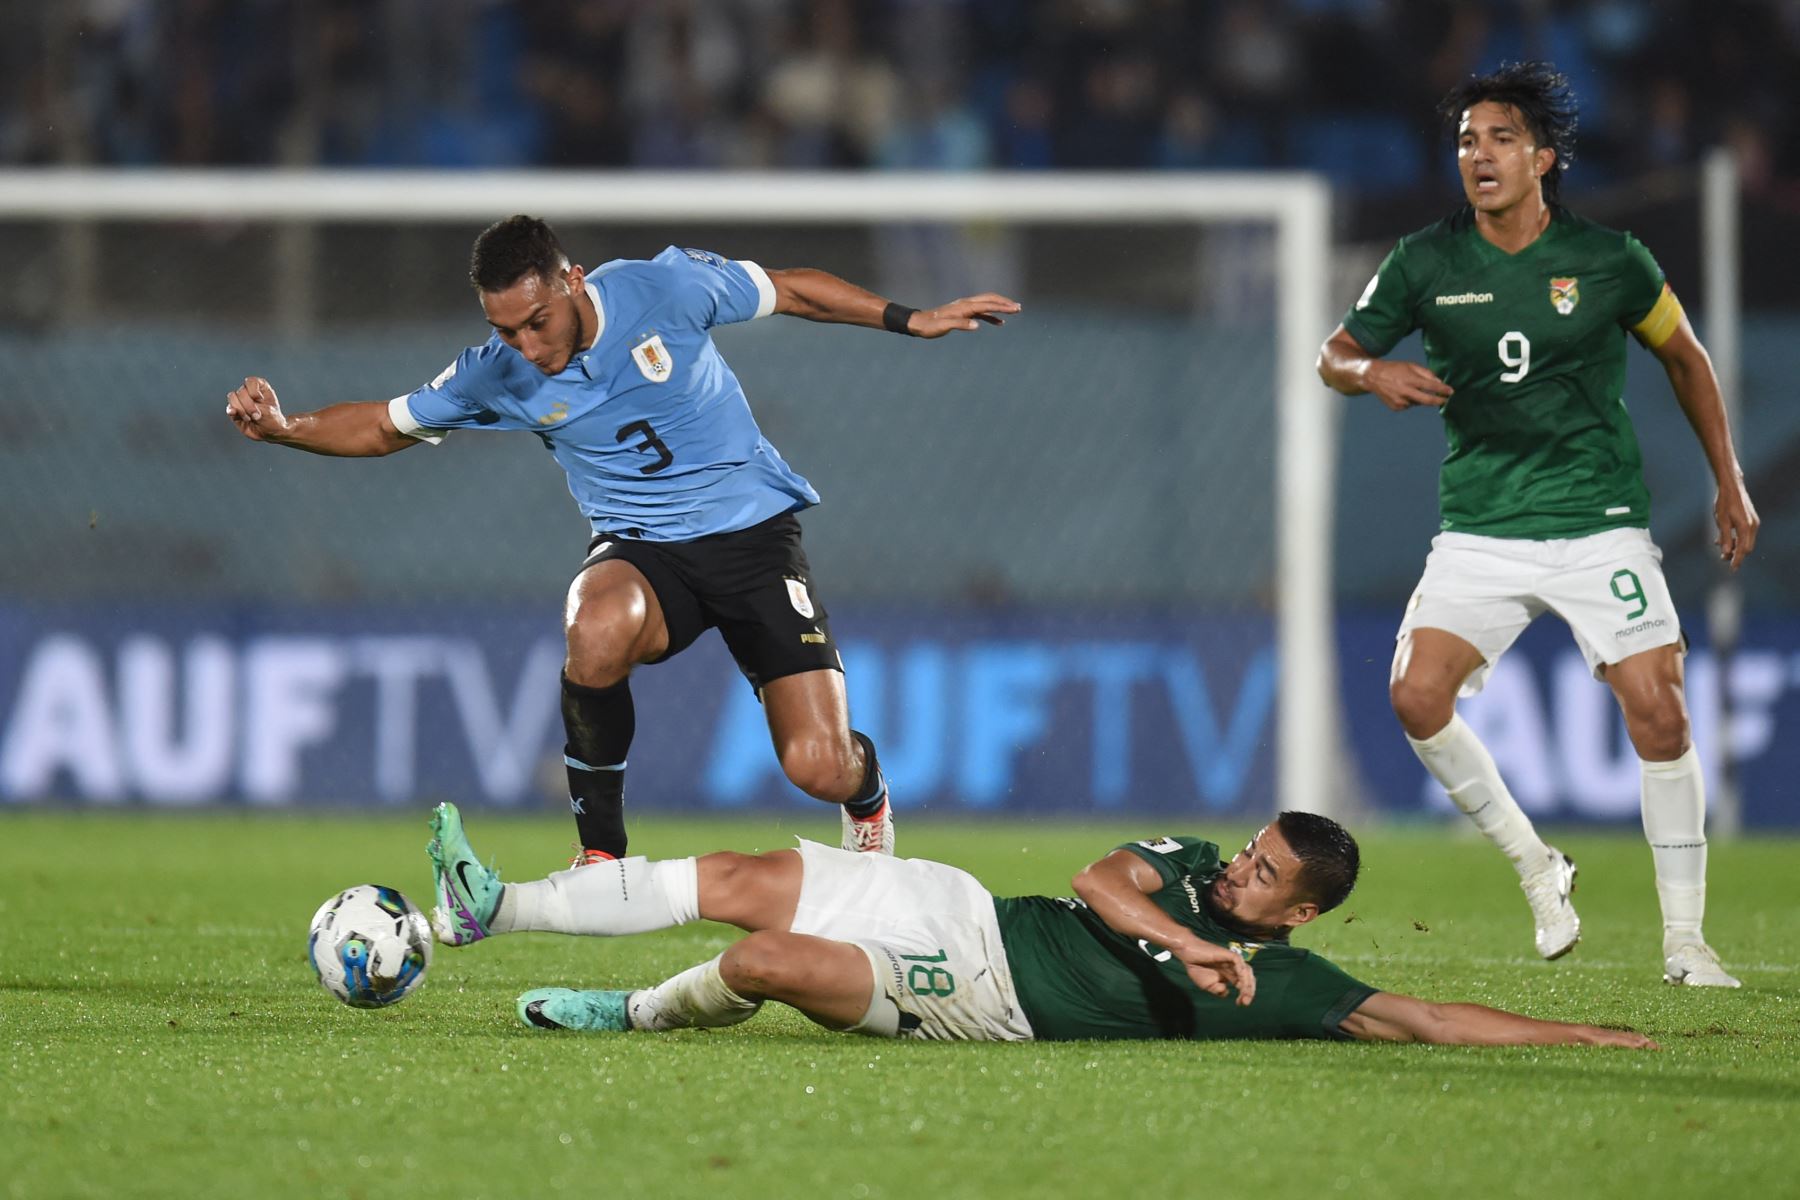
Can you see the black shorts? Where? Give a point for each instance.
(753, 584)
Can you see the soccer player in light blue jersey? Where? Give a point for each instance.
(692, 510)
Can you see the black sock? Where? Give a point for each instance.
(599, 723)
(872, 793)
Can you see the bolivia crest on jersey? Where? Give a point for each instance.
(1565, 295)
(653, 360)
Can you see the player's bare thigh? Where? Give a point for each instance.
(612, 622)
(829, 981)
(751, 891)
(1429, 668)
(1649, 686)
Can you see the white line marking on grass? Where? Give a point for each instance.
(1411, 957)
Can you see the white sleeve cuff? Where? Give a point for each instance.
(400, 413)
(765, 288)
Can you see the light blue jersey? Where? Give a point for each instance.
(651, 426)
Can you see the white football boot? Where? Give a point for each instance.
(874, 835)
(1548, 891)
(1693, 964)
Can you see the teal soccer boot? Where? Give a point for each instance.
(468, 894)
(565, 1008)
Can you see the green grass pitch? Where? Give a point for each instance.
(163, 1036)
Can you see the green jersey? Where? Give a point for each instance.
(1540, 444)
(1076, 978)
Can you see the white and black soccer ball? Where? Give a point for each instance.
(370, 946)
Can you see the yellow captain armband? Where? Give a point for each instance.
(1661, 322)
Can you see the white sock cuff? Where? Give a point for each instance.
(1443, 737)
(1674, 805)
(1688, 763)
(679, 879)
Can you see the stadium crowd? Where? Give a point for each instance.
(1345, 86)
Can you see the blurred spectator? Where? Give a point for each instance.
(1023, 138)
(1668, 136)
(832, 101)
(687, 66)
(1115, 124)
(939, 132)
(575, 65)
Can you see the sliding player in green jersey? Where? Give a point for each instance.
(1165, 941)
(1524, 308)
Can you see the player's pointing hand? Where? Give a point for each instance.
(964, 314)
(254, 409)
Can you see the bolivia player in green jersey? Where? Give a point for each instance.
(1524, 308)
(1166, 941)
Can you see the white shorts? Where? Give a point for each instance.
(1608, 587)
(929, 932)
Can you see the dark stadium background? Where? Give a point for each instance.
(165, 587)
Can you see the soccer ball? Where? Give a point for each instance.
(370, 946)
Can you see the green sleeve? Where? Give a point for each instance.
(1324, 988)
(1384, 313)
(1174, 857)
(1643, 283)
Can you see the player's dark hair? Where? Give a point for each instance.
(1544, 100)
(511, 249)
(1329, 858)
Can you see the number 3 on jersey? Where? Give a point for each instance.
(650, 443)
(1515, 352)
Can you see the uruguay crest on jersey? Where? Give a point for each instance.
(1565, 295)
(799, 597)
(653, 359)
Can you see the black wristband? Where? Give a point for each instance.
(895, 317)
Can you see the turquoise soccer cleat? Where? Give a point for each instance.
(468, 894)
(565, 1008)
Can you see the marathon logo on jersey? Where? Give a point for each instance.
(1465, 298)
(798, 596)
(1565, 295)
(653, 359)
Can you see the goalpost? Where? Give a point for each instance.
(1311, 765)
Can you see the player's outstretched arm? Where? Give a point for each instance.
(1346, 367)
(362, 430)
(1116, 890)
(1389, 1017)
(1697, 389)
(821, 296)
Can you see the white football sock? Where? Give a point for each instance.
(1457, 759)
(627, 895)
(698, 998)
(1675, 824)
